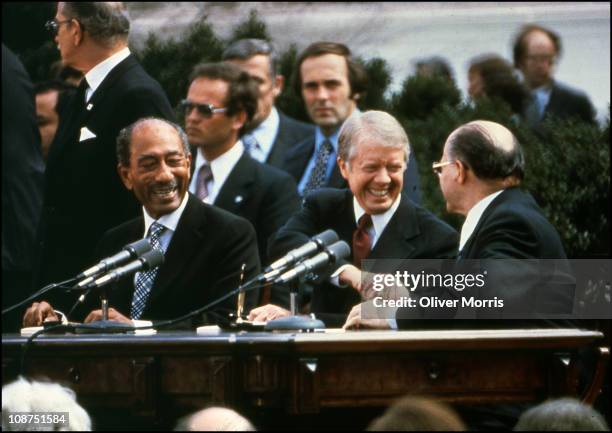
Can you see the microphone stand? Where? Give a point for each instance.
(294, 322)
(105, 325)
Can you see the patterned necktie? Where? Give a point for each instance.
(362, 243)
(204, 176)
(317, 175)
(145, 280)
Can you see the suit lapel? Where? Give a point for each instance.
(182, 247)
(395, 240)
(297, 160)
(465, 253)
(237, 185)
(104, 90)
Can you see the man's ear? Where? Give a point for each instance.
(240, 118)
(189, 165)
(279, 82)
(462, 172)
(344, 167)
(77, 32)
(124, 174)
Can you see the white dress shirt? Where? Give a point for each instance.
(98, 73)
(169, 221)
(473, 216)
(265, 134)
(221, 168)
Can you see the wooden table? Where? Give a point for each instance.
(159, 377)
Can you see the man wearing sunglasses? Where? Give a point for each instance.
(221, 100)
(84, 196)
(273, 131)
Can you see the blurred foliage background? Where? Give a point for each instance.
(567, 170)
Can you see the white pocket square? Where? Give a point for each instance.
(86, 134)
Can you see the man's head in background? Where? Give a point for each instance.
(536, 51)
(330, 82)
(258, 58)
(51, 98)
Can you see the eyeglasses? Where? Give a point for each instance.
(542, 58)
(437, 166)
(204, 110)
(52, 26)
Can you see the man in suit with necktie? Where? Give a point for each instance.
(536, 51)
(221, 101)
(272, 133)
(330, 82)
(204, 247)
(373, 215)
(84, 196)
(480, 170)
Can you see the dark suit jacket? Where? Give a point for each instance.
(202, 263)
(412, 232)
(290, 132)
(22, 185)
(84, 195)
(264, 195)
(297, 158)
(566, 102)
(512, 228)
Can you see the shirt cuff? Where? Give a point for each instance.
(335, 277)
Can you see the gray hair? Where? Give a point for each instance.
(563, 414)
(371, 124)
(244, 49)
(214, 419)
(124, 139)
(106, 22)
(25, 396)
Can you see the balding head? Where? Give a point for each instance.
(215, 419)
(489, 149)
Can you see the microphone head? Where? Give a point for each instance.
(326, 238)
(138, 248)
(339, 250)
(152, 259)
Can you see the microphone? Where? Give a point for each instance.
(316, 243)
(149, 260)
(130, 251)
(334, 252)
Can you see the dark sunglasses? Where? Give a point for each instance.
(205, 110)
(52, 26)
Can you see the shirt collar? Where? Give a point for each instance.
(379, 221)
(222, 166)
(473, 217)
(265, 133)
(170, 221)
(99, 72)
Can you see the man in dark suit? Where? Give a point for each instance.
(373, 216)
(536, 51)
(84, 196)
(331, 83)
(22, 184)
(204, 247)
(272, 132)
(481, 167)
(221, 100)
